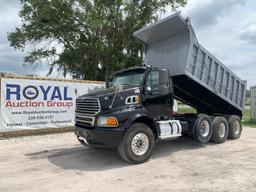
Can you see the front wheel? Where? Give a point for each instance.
(137, 144)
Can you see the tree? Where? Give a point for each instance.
(86, 38)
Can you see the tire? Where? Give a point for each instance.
(220, 129)
(137, 144)
(203, 128)
(235, 127)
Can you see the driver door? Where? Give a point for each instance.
(157, 94)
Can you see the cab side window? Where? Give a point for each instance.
(152, 82)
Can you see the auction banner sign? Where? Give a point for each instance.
(33, 103)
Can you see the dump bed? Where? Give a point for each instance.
(200, 80)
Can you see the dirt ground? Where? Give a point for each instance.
(59, 163)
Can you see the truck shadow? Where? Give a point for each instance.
(167, 148)
(80, 158)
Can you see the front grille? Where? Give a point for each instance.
(83, 120)
(87, 107)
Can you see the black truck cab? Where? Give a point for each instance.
(141, 94)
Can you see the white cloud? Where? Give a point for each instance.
(209, 12)
(249, 33)
(11, 60)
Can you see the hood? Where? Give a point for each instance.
(100, 92)
(106, 95)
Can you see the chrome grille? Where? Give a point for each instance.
(87, 107)
(84, 120)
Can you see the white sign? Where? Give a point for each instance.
(27, 104)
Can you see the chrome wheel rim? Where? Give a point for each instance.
(140, 144)
(236, 127)
(222, 130)
(204, 128)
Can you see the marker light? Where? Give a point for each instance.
(107, 122)
(134, 99)
(137, 99)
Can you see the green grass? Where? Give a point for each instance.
(246, 118)
(183, 110)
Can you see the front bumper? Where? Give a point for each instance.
(101, 137)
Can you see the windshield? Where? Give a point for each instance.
(130, 78)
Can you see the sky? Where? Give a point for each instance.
(226, 28)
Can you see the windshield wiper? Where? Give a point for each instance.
(117, 90)
(125, 84)
(122, 84)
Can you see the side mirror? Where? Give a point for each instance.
(148, 89)
(107, 84)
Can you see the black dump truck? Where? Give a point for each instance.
(136, 110)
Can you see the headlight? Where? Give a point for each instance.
(107, 122)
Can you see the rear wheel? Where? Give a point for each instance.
(235, 127)
(137, 144)
(220, 130)
(203, 128)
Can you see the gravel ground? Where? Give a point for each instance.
(59, 163)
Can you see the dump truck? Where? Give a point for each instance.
(136, 110)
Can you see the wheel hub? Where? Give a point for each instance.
(237, 127)
(204, 128)
(222, 130)
(140, 144)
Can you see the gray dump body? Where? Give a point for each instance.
(200, 80)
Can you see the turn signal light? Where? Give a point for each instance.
(107, 122)
(111, 121)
